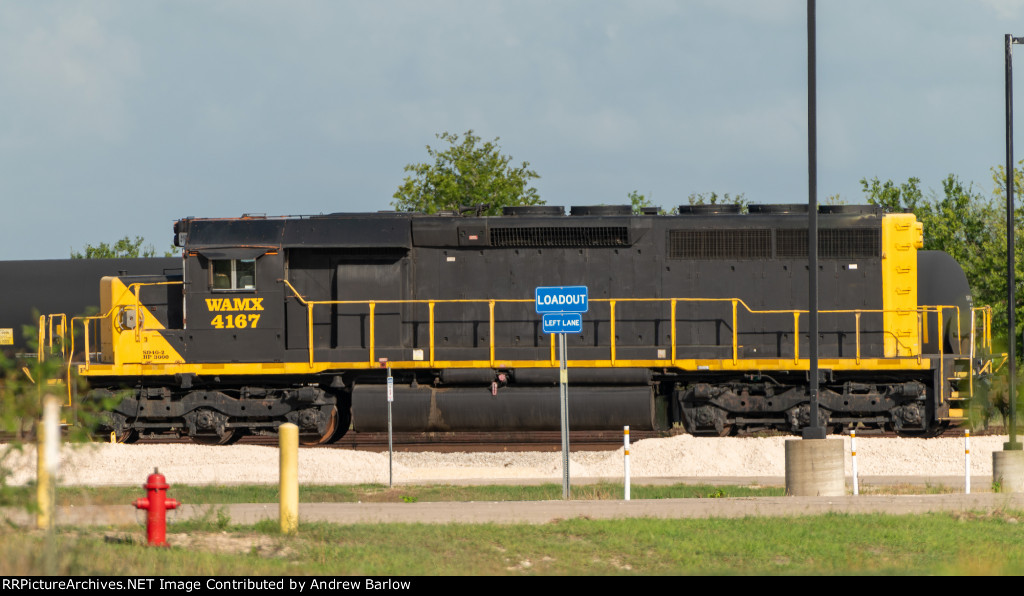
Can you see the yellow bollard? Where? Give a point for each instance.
(288, 434)
(43, 486)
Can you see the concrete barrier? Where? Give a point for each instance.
(1008, 471)
(815, 467)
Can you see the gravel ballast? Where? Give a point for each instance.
(683, 456)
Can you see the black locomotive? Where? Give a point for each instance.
(697, 319)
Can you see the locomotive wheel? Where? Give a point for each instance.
(120, 427)
(315, 439)
(229, 437)
(343, 424)
(127, 437)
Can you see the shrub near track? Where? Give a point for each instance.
(839, 544)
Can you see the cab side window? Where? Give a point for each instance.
(233, 274)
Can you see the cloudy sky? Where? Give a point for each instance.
(120, 117)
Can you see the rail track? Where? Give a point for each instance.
(500, 441)
(463, 441)
(513, 441)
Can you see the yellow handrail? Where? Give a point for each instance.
(611, 306)
(614, 314)
(613, 302)
(135, 289)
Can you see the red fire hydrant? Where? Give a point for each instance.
(156, 503)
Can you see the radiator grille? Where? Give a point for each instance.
(832, 243)
(720, 244)
(560, 236)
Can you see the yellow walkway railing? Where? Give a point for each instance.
(912, 349)
(907, 347)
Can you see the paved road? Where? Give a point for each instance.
(547, 511)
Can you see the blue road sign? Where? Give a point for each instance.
(563, 322)
(552, 299)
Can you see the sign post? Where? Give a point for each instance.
(561, 307)
(391, 398)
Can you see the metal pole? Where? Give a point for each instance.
(391, 397)
(1011, 282)
(814, 428)
(563, 394)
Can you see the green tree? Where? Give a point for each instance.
(125, 248)
(467, 174)
(958, 221)
(713, 198)
(999, 183)
(639, 202)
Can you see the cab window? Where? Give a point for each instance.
(233, 274)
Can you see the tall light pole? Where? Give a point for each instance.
(814, 429)
(814, 464)
(1013, 445)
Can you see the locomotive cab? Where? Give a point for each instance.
(233, 304)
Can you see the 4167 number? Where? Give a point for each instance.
(235, 321)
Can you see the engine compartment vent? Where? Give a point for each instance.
(720, 244)
(833, 243)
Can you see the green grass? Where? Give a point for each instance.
(377, 493)
(833, 544)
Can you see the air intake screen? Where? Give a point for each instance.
(720, 244)
(560, 236)
(832, 243)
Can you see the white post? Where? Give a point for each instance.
(967, 461)
(48, 460)
(391, 399)
(853, 450)
(51, 417)
(625, 442)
